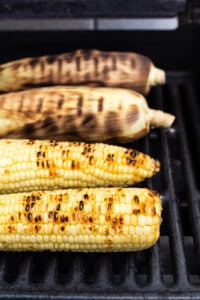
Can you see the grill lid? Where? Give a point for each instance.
(91, 8)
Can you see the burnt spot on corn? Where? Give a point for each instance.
(132, 115)
(85, 196)
(90, 219)
(36, 228)
(79, 106)
(55, 216)
(153, 210)
(111, 123)
(50, 215)
(34, 62)
(62, 228)
(78, 67)
(88, 119)
(130, 161)
(136, 211)
(110, 157)
(28, 129)
(30, 217)
(69, 56)
(47, 122)
(58, 206)
(100, 104)
(60, 102)
(91, 160)
(39, 105)
(136, 199)
(75, 165)
(105, 72)
(27, 207)
(81, 205)
(87, 54)
(114, 63)
(51, 59)
(96, 64)
(38, 218)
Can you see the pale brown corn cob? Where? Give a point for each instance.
(27, 165)
(79, 113)
(99, 219)
(115, 69)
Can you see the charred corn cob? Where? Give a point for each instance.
(101, 219)
(27, 165)
(114, 69)
(78, 113)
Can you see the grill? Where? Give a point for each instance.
(170, 269)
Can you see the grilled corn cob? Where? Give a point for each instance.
(78, 113)
(27, 165)
(115, 69)
(101, 219)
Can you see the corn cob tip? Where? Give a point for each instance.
(156, 76)
(158, 118)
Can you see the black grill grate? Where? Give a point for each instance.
(168, 270)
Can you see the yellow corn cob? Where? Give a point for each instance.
(27, 165)
(115, 69)
(79, 113)
(101, 219)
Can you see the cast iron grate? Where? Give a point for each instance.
(168, 270)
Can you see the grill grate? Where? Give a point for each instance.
(169, 269)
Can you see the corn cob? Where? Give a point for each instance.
(114, 69)
(27, 165)
(78, 113)
(99, 219)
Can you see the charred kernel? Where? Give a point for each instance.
(33, 197)
(12, 218)
(91, 159)
(55, 216)
(133, 162)
(136, 211)
(109, 206)
(27, 207)
(114, 220)
(37, 163)
(38, 198)
(81, 205)
(128, 160)
(90, 219)
(109, 157)
(66, 218)
(30, 217)
(134, 153)
(86, 196)
(62, 219)
(153, 211)
(73, 164)
(43, 164)
(136, 199)
(48, 164)
(28, 199)
(62, 228)
(121, 220)
(36, 229)
(39, 153)
(110, 199)
(58, 207)
(38, 218)
(50, 214)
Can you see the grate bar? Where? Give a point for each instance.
(174, 222)
(190, 188)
